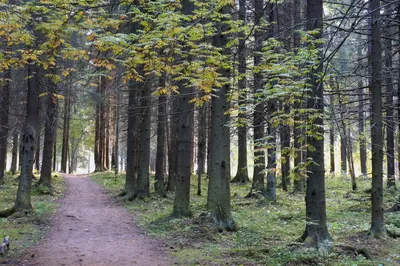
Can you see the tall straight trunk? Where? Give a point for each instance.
(50, 126)
(258, 122)
(173, 143)
(97, 159)
(4, 117)
(343, 153)
(38, 139)
(316, 226)
(242, 175)
(23, 200)
(201, 145)
(143, 176)
(391, 178)
(377, 220)
(161, 126)
(285, 151)
(361, 118)
(298, 130)
(398, 90)
(117, 122)
(14, 157)
(54, 163)
(65, 140)
(270, 192)
(332, 149)
(132, 141)
(219, 199)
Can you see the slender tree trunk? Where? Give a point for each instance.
(54, 164)
(242, 175)
(39, 136)
(377, 220)
(285, 151)
(271, 173)
(4, 118)
(201, 146)
(161, 126)
(65, 140)
(361, 118)
(14, 157)
(219, 200)
(316, 226)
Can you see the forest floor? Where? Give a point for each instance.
(91, 229)
(267, 233)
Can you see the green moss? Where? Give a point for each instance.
(25, 231)
(267, 232)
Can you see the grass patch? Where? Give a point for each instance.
(25, 231)
(267, 232)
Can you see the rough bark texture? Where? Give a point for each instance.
(316, 227)
(173, 143)
(50, 126)
(143, 176)
(285, 151)
(377, 225)
(258, 123)
(219, 200)
(361, 117)
(4, 117)
(270, 192)
(23, 200)
(65, 140)
(242, 175)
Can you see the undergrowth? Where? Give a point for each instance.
(267, 232)
(26, 230)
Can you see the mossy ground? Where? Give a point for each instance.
(26, 230)
(267, 232)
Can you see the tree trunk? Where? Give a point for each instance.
(23, 200)
(258, 123)
(14, 157)
(173, 144)
(219, 200)
(270, 193)
(161, 125)
(4, 118)
(242, 175)
(377, 225)
(361, 118)
(143, 176)
(65, 140)
(285, 151)
(50, 126)
(201, 145)
(316, 227)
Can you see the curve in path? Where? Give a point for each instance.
(89, 229)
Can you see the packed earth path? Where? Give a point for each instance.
(91, 229)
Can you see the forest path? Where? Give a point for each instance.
(90, 229)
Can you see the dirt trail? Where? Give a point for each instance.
(90, 229)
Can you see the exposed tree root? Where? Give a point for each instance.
(8, 212)
(356, 251)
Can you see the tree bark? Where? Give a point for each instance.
(14, 158)
(316, 226)
(201, 146)
(161, 125)
(173, 143)
(4, 118)
(65, 140)
(218, 200)
(377, 220)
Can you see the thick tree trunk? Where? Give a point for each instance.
(50, 126)
(219, 200)
(143, 176)
(242, 175)
(316, 226)
(4, 117)
(23, 200)
(182, 189)
(377, 225)
(258, 123)
(132, 142)
(161, 126)
(173, 143)
(14, 158)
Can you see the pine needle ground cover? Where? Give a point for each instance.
(267, 233)
(26, 229)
